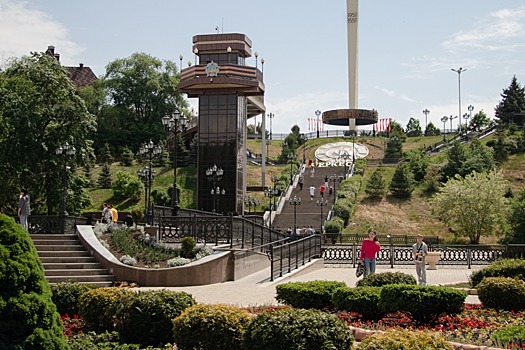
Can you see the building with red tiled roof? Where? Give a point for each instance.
(80, 76)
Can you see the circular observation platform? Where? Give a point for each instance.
(341, 116)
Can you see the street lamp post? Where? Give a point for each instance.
(272, 194)
(295, 202)
(465, 116)
(451, 118)
(426, 112)
(444, 120)
(345, 157)
(217, 192)
(271, 116)
(333, 178)
(290, 160)
(317, 114)
(173, 124)
(145, 175)
(459, 71)
(214, 175)
(65, 151)
(251, 202)
(150, 150)
(322, 203)
(470, 109)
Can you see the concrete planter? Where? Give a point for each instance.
(432, 258)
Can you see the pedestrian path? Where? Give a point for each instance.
(257, 289)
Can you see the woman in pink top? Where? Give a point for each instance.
(369, 250)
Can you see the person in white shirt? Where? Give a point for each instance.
(312, 192)
(419, 251)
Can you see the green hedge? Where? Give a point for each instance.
(402, 339)
(145, 318)
(424, 303)
(334, 225)
(343, 209)
(384, 278)
(297, 329)
(500, 268)
(502, 293)
(509, 337)
(363, 300)
(28, 317)
(308, 295)
(210, 327)
(66, 296)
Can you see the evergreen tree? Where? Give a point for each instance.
(517, 220)
(465, 159)
(413, 128)
(375, 186)
(511, 108)
(432, 130)
(126, 158)
(418, 164)
(402, 183)
(104, 179)
(194, 150)
(28, 317)
(88, 169)
(394, 148)
(106, 156)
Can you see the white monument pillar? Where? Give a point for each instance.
(352, 30)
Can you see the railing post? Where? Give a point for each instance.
(231, 232)
(271, 262)
(289, 257)
(354, 254)
(281, 260)
(469, 256)
(391, 254)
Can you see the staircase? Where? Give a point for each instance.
(65, 258)
(308, 212)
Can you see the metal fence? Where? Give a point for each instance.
(350, 238)
(290, 254)
(393, 254)
(49, 224)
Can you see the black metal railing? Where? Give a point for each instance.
(350, 238)
(393, 254)
(54, 223)
(289, 254)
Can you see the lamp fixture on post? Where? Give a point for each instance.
(251, 203)
(217, 192)
(291, 158)
(459, 71)
(65, 151)
(196, 52)
(317, 114)
(322, 203)
(180, 58)
(444, 120)
(271, 116)
(452, 118)
(214, 175)
(334, 178)
(175, 123)
(150, 151)
(229, 50)
(256, 58)
(295, 201)
(262, 64)
(426, 112)
(470, 109)
(272, 194)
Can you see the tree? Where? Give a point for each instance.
(126, 157)
(141, 90)
(474, 206)
(432, 130)
(511, 108)
(517, 220)
(104, 178)
(397, 130)
(40, 110)
(479, 121)
(105, 154)
(394, 147)
(418, 163)
(402, 183)
(28, 317)
(413, 128)
(375, 186)
(127, 186)
(464, 159)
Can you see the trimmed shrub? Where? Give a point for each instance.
(98, 307)
(424, 303)
(145, 318)
(334, 225)
(384, 278)
(502, 293)
(363, 300)
(500, 268)
(28, 317)
(308, 295)
(401, 339)
(187, 244)
(210, 327)
(297, 329)
(67, 294)
(343, 208)
(511, 337)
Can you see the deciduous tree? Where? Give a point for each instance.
(473, 206)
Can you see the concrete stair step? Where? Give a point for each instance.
(58, 253)
(63, 248)
(66, 259)
(71, 265)
(76, 272)
(43, 242)
(98, 284)
(87, 279)
(58, 237)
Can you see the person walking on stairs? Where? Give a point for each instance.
(312, 192)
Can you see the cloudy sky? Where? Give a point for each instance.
(407, 48)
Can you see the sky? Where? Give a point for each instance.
(407, 48)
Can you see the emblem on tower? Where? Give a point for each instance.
(212, 69)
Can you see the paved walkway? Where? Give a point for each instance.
(257, 289)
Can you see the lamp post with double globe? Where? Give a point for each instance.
(150, 151)
(214, 175)
(321, 203)
(295, 201)
(66, 151)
